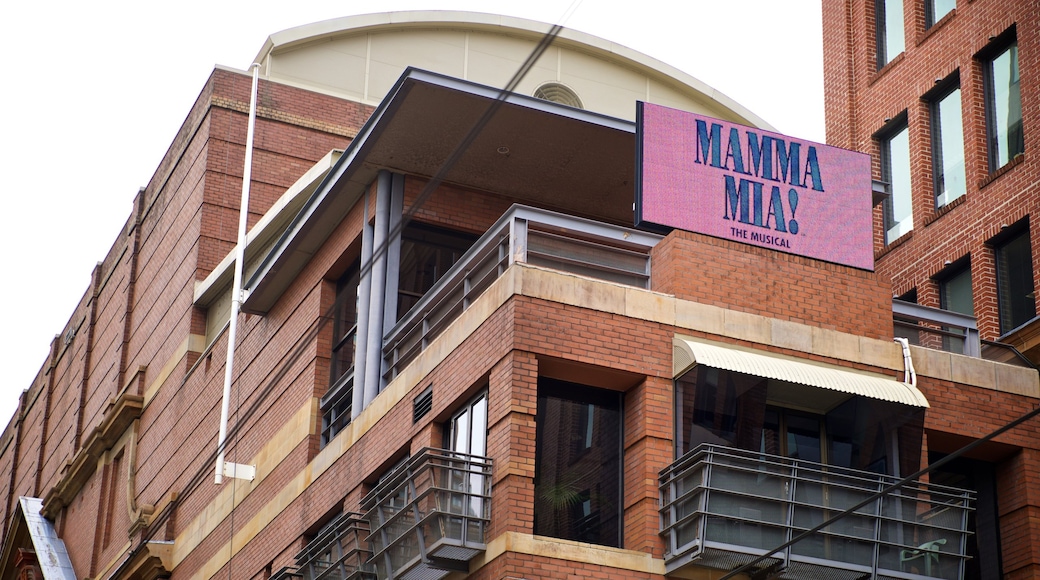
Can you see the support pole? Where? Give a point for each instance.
(236, 292)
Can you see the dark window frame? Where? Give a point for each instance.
(999, 46)
(892, 129)
(1012, 315)
(881, 33)
(943, 90)
(930, 15)
(563, 501)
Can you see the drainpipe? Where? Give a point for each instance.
(909, 375)
(236, 291)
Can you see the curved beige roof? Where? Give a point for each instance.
(360, 58)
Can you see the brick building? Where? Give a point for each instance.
(464, 360)
(943, 94)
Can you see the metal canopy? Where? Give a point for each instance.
(688, 353)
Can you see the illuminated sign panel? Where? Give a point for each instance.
(753, 186)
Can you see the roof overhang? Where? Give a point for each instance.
(31, 531)
(688, 352)
(529, 151)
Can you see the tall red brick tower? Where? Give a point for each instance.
(943, 94)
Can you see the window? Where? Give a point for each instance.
(955, 296)
(1015, 295)
(934, 10)
(337, 403)
(345, 322)
(578, 463)
(467, 433)
(752, 413)
(427, 253)
(1003, 103)
(947, 146)
(984, 545)
(890, 39)
(895, 170)
(468, 429)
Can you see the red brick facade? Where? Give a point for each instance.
(861, 101)
(117, 434)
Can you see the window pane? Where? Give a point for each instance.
(578, 487)
(478, 437)
(427, 253)
(937, 9)
(955, 296)
(345, 325)
(896, 171)
(1005, 130)
(1015, 282)
(948, 149)
(890, 30)
(955, 293)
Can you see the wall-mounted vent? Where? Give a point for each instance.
(558, 93)
(422, 404)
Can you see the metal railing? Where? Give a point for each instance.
(338, 552)
(430, 516)
(722, 507)
(522, 234)
(936, 328)
(336, 407)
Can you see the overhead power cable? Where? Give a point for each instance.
(304, 344)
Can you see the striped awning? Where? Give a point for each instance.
(688, 352)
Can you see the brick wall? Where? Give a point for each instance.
(760, 281)
(859, 100)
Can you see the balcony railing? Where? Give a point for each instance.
(951, 332)
(723, 507)
(429, 517)
(338, 552)
(936, 328)
(523, 234)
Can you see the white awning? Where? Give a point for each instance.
(687, 353)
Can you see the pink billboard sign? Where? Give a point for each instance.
(762, 188)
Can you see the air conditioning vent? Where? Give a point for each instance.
(422, 404)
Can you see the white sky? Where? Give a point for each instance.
(94, 92)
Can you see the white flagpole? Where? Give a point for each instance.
(236, 291)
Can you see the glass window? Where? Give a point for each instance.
(336, 405)
(895, 170)
(948, 148)
(1003, 107)
(468, 430)
(934, 10)
(427, 253)
(578, 463)
(1015, 296)
(345, 322)
(752, 413)
(955, 292)
(984, 545)
(955, 296)
(890, 39)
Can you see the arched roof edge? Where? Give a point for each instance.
(478, 20)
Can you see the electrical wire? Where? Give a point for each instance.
(304, 345)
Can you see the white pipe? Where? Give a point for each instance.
(236, 290)
(909, 375)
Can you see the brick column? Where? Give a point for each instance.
(512, 403)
